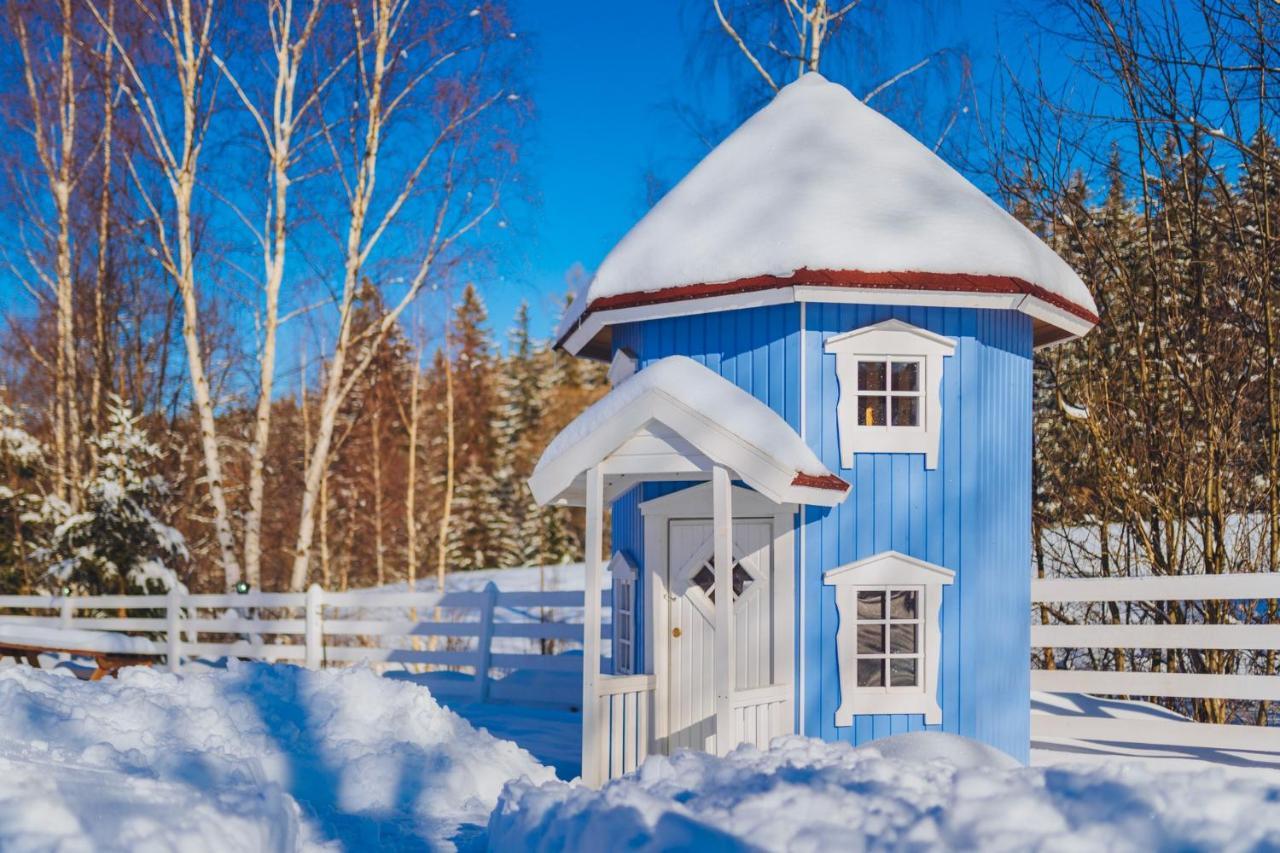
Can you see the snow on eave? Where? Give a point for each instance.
(745, 434)
(818, 188)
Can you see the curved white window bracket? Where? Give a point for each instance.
(890, 377)
(889, 643)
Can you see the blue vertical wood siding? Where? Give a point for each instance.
(971, 514)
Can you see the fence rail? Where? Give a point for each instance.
(483, 634)
(1232, 637)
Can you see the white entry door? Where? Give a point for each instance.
(691, 718)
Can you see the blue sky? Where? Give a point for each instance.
(603, 78)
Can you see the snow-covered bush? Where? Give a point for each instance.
(22, 462)
(117, 542)
(922, 791)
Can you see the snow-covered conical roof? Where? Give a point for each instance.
(817, 189)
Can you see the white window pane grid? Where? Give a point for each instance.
(624, 621)
(889, 639)
(889, 392)
(705, 579)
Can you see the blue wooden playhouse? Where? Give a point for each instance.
(821, 344)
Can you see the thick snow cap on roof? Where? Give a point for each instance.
(698, 415)
(819, 189)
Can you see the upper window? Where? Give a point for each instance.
(890, 378)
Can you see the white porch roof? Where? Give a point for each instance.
(677, 420)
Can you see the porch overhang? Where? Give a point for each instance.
(677, 420)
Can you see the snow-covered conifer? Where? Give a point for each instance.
(118, 541)
(22, 462)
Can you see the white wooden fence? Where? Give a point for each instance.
(483, 634)
(1144, 730)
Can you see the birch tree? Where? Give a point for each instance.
(434, 71)
(53, 109)
(277, 113)
(180, 34)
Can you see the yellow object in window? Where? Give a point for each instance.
(869, 418)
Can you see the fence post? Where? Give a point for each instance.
(173, 629)
(484, 646)
(314, 626)
(65, 611)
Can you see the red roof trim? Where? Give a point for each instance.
(825, 481)
(920, 281)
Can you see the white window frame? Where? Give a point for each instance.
(623, 572)
(890, 341)
(889, 570)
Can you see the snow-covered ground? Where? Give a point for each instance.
(260, 757)
(921, 791)
(254, 757)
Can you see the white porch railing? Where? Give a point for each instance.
(622, 734)
(483, 633)
(1240, 587)
(762, 714)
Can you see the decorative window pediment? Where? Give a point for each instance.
(890, 376)
(889, 642)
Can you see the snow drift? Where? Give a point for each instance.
(920, 791)
(254, 757)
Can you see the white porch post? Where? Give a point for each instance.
(722, 522)
(592, 736)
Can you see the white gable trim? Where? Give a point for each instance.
(706, 442)
(889, 570)
(623, 366)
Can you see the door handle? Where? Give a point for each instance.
(675, 632)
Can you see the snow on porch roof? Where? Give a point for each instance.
(707, 420)
(819, 189)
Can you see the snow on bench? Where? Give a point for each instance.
(110, 651)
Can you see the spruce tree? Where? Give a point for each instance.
(118, 542)
(522, 394)
(477, 506)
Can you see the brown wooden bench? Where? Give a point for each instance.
(107, 663)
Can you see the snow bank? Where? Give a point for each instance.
(255, 757)
(922, 791)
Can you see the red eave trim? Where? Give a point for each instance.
(921, 281)
(824, 481)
